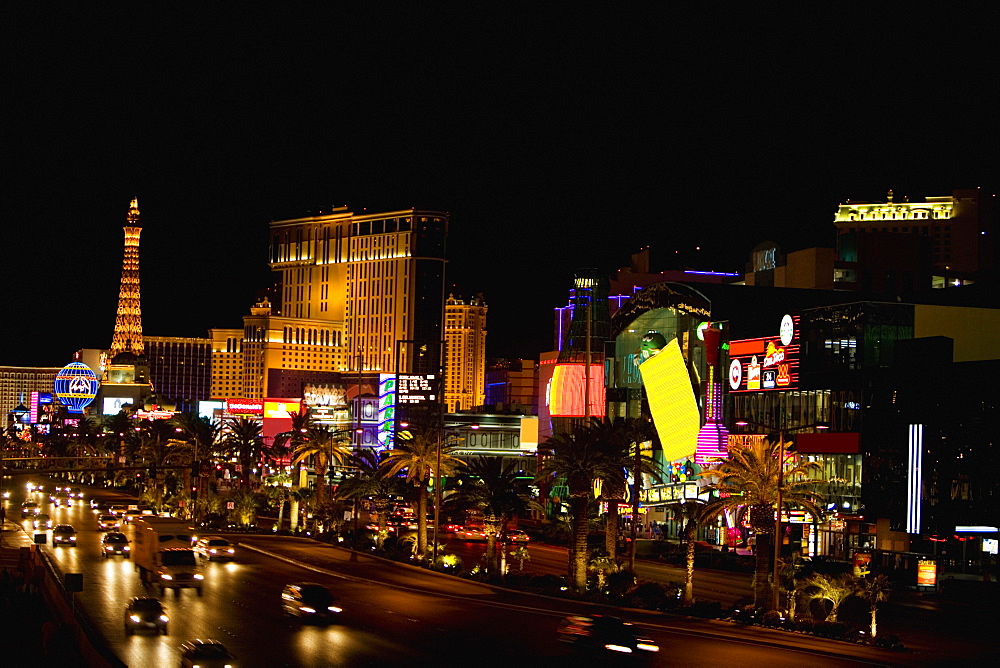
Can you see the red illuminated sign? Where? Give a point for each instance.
(568, 388)
(245, 406)
(766, 363)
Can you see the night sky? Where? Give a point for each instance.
(557, 139)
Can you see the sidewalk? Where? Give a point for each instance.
(24, 612)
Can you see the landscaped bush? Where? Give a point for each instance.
(652, 596)
(704, 609)
(890, 641)
(831, 630)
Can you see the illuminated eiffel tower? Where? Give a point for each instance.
(128, 321)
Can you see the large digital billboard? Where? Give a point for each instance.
(671, 401)
(417, 388)
(567, 393)
(768, 362)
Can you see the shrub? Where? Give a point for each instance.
(831, 630)
(890, 641)
(652, 596)
(772, 619)
(704, 609)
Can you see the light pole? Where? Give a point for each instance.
(776, 566)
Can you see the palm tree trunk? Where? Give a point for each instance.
(422, 521)
(293, 514)
(612, 522)
(874, 626)
(281, 511)
(762, 570)
(579, 552)
(320, 485)
(381, 506)
(689, 535)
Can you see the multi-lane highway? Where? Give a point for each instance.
(393, 614)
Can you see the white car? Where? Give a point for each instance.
(215, 548)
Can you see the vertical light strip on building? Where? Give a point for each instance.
(916, 455)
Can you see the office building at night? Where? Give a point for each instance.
(465, 352)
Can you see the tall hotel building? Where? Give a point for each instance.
(465, 353)
(359, 293)
(180, 369)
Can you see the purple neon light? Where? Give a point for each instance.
(713, 438)
(709, 273)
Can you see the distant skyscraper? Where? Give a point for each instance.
(128, 321)
(465, 352)
(180, 368)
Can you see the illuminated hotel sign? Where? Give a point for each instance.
(245, 406)
(768, 362)
(386, 409)
(76, 386)
(416, 388)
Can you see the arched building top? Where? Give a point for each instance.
(677, 296)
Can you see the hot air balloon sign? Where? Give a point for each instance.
(76, 386)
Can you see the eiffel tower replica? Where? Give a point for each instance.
(126, 371)
(128, 321)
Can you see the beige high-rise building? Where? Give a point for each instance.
(371, 279)
(18, 382)
(357, 292)
(465, 352)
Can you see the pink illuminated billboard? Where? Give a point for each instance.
(567, 390)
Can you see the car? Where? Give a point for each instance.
(64, 534)
(117, 509)
(76, 492)
(310, 602)
(603, 634)
(6, 494)
(215, 548)
(518, 537)
(115, 542)
(29, 509)
(206, 654)
(42, 521)
(145, 614)
(62, 498)
(471, 533)
(100, 506)
(449, 528)
(108, 522)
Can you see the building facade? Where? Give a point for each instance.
(375, 281)
(18, 382)
(465, 353)
(180, 369)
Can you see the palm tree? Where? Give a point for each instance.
(244, 440)
(619, 437)
(367, 481)
(876, 590)
(287, 442)
(276, 488)
(416, 454)
(690, 513)
(157, 449)
(835, 588)
(490, 485)
(579, 459)
(324, 447)
(749, 478)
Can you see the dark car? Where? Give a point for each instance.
(115, 542)
(29, 509)
(310, 602)
(207, 654)
(602, 634)
(64, 534)
(145, 614)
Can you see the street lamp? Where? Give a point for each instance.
(776, 572)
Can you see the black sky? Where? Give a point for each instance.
(557, 138)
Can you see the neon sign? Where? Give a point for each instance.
(76, 386)
(768, 362)
(386, 409)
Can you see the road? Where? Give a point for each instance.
(395, 615)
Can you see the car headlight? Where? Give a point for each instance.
(619, 648)
(135, 618)
(334, 608)
(306, 609)
(212, 551)
(126, 548)
(164, 619)
(72, 537)
(166, 577)
(649, 647)
(231, 551)
(199, 576)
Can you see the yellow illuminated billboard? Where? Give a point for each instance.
(671, 401)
